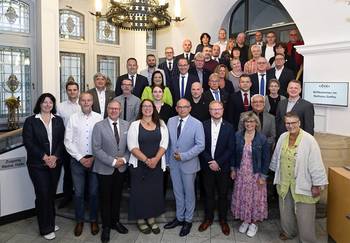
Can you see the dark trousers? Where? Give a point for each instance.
(67, 179)
(216, 180)
(45, 182)
(110, 192)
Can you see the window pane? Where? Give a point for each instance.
(109, 66)
(151, 40)
(107, 33)
(15, 79)
(237, 19)
(266, 13)
(72, 66)
(14, 16)
(71, 25)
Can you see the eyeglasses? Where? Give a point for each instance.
(291, 123)
(147, 106)
(183, 107)
(127, 84)
(260, 63)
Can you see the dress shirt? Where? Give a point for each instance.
(118, 128)
(48, 128)
(183, 122)
(242, 94)
(132, 109)
(188, 57)
(215, 129)
(101, 95)
(133, 79)
(278, 72)
(172, 64)
(216, 59)
(77, 139)
(265, 81)
(66, 108)
(291, 104)
(269, 52)
(213, 94)
(222, 46)
(185, 83)
(200, 75)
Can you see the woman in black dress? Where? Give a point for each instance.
(165, 111)
(147, 142)
(272, 100)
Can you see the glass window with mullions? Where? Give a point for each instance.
(109, 66)
(106, 33)
(14, 16)
(15, 80)
(71, 25)
(71, 66)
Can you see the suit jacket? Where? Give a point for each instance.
(225, 146)
(305, 111)
(206, 75)
(175, 87)
(109, 95)
(140, 83)
(286, 76)
(235, 108)
(183, 56)
(36, 142)
(189, 145)
(105, 147)
(169, 73)
(224, 98)
(255, 83)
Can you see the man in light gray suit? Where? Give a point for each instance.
(109, 147)
(130, 103)
(187, 141)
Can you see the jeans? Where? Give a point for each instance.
(79, 174)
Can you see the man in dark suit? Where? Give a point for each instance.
(216, 163)
(169, 65)
(101, 95)
(111, 155)
(304, 109)
(197, 69)
(240, 101)
(139, 81)
(281, 73)
(260, 78)
(215, 93)
(180, 85)
(216, 52)
(187, 54)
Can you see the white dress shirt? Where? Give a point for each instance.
(48, 128)
(118, 129)
(222, 46)
(101, 95)
(269, 52)
(183, 122)
(212, 93)
(77, 139)
(185, 83)
(215, 129)
(278, 72)
(66, 108)
(248, 96)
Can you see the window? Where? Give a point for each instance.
(14, 16)
(72, 65)
(15, 79)
(150, 39)
(109, 66)
(71, 24)
(106, 33)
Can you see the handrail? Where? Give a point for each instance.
(10, 133)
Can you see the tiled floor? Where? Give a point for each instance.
(27, 231)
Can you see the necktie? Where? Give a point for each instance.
(132, 79)
(216, 94)
(169, 63)
(245, 102)
(179, 128)
(116, 134)
(182, 86)
(262, 85)
(125, 106)
(187, 56)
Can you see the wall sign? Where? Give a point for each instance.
(12, 163)
(327, 93)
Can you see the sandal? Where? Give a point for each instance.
(144, 228)
(155, 228)
(283, 236)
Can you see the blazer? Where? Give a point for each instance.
(267, 102)
(96, 104)
(36, 142)
(175, 87)
(169, 73)
(224, 98)
(286, 76)
(255, 83)
(183, 56)
(140, 83)
(105, 147)
(303, 108)
(206, 75)
(225, 145)
(235, 108)
(132, 109)
(189, 145)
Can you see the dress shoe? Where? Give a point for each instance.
(173, 224)
(205, 225)
(283, 236)
(186, 228)
(78, 229)
(120, 228)
(105, 234)
(64, 202)
(225, 228)
(50, 236)
(94, 228)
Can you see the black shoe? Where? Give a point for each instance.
(105, 234)
(120, 228)
(173, 224)
(186, 228)
(64, 202)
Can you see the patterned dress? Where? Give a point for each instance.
(249, 200)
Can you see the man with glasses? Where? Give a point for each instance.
(186, 143)
(268, 49)
(261, 78)
(169, 66)
(130, 104)
(199, 71)
(291, 51)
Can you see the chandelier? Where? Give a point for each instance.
(138, 14)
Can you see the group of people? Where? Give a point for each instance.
(189, 116)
